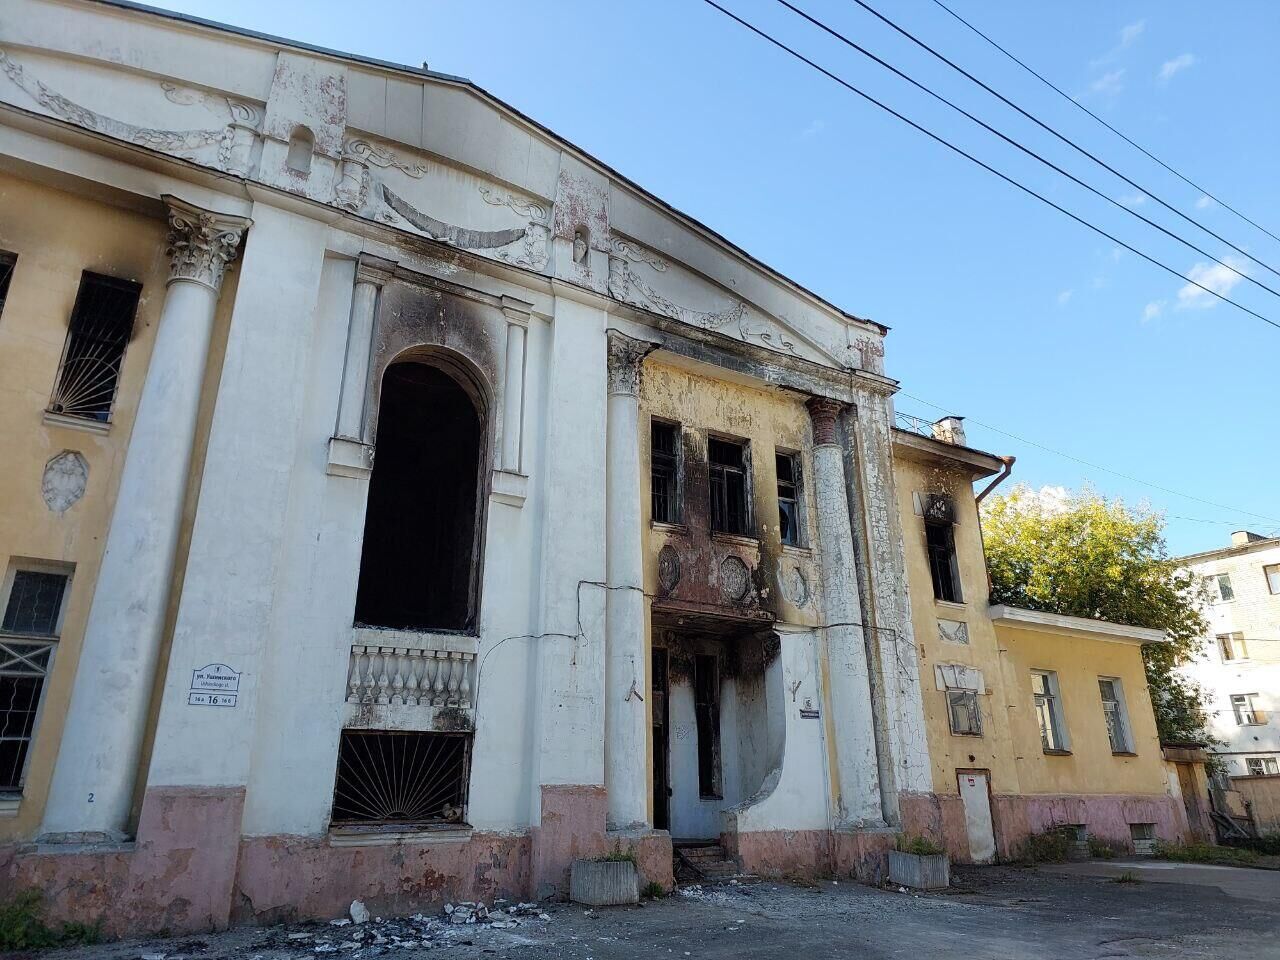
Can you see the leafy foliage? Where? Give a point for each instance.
(920, 846)
(1082, 555)
(1052, 846)
(22, 926)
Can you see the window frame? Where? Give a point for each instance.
(799, 514)
(1232, 647)
(1271, 573)
(1052, 700)
(1121, 712)
(748, 514)
(88, 277)
(971, 696)
(1224, 596)
(952, 561)
(51, 640)
(1263, 763)
(677, 468)
(1249, 715)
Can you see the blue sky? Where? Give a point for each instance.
(1001, 309)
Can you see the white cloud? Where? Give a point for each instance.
(1216, 277)
(1179, 63)
(1109, 84)
(1134, 199)
(814, 128)
(1064, 297)
(1152, 310)
(1204, 203)
(1131, 33)
(1116, 254)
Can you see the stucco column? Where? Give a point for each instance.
(852, 716)
(93, 780)
(355, 371)
(513, 394)
(626, 718)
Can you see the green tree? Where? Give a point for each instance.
(1083, 555)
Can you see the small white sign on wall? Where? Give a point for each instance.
(214, 685)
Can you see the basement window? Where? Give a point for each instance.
(964, 713)
(706, 700)
(100, 327)
(33, 607)
(727, 465)
(664, 455)
(418, 568)
(789, 523)
(1262, 766)
(404, 778)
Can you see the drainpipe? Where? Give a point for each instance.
(999, 478)
(996, 481)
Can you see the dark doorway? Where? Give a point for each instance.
(661, 764)
(706, 704)
(420, 531)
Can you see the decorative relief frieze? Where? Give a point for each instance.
(233, 142)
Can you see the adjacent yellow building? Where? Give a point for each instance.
(1034, 720)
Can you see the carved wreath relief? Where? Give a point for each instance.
(64, 481)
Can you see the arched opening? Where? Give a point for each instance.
(421, 530)
(301, 145)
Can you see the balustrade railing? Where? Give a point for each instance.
(410, 676)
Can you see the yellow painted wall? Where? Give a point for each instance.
(1091, 767)
(947, 751)
(56, 236)
(769, 420)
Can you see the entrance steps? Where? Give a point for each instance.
(695, 861)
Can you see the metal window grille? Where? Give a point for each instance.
(728, 468)
(101, 324)
(941, 544)
(1113, 711)
(962, 708)
(7, 263)
(1262, 766)
(29, 635)
(665, 471)
(788, 465)
(405, 778)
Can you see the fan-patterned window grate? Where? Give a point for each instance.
(7, 262)
(101, 323)
(402, 778)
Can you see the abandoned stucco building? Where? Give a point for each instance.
(402, 504)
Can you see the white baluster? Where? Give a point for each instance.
(398, 658)
(366, 675)
(384, 682)
(353, 676)
(468, 660)
(440, 677)
(413, 669)
(454, 671)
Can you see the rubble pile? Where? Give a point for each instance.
(362, 935)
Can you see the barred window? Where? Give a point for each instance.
(28, 637)
(408, 778)
(100, 327)
(664, 458)
(7, 262)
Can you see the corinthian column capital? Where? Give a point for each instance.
(626, 359)
(201, 243)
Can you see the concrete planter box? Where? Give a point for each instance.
(604, 883)
(920, 872)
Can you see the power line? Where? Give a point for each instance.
(1098, 466)
(1137, 146)
(1044, 126)
(1031, 153)
(986, 166)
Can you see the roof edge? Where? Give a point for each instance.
(1088, 627)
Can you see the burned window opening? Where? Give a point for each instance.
(665, 471)
(941, 542)
(7, 262)
(421, 527)
(706, 699)
(100, 327)
(789, 526)
(408, 778)
(727, 466)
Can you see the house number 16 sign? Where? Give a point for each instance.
(215, 685)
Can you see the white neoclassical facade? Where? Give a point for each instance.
(419, 504)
